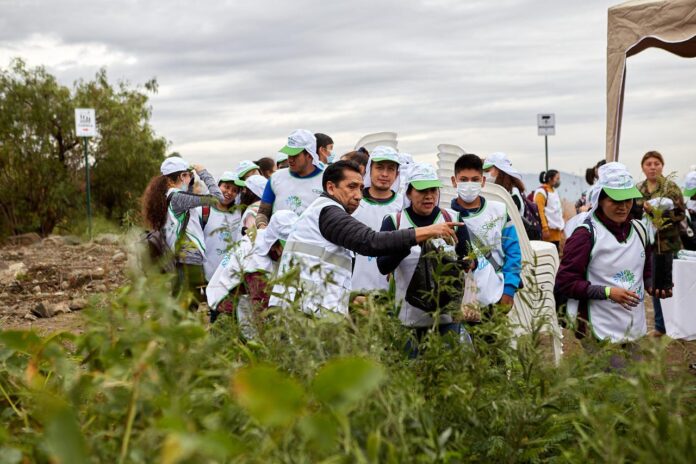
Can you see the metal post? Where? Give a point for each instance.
(89, 201)
(546, 149)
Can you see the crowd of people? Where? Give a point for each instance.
(312, 232)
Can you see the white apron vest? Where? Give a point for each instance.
(244, 259)
(366, 276)
(324, 282)
(553, 209)
(222, 233)
(249, 215)
(615, 264)
(294, 193)
(172, 228)
(488, 226)
(409, 315)
(228, 274)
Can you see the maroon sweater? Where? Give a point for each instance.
(571, 281)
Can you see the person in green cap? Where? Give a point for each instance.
(221, 222)
(296, 187)
(605, 272)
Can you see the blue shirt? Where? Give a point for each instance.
(268, 194)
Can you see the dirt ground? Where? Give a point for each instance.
(45, 284)
(57, 276)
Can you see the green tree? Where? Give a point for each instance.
(41, 161)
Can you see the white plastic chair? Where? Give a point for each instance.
(370, 141)
(540, 261)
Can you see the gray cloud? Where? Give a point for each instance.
(236, 77)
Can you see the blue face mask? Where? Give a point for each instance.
(331, 158)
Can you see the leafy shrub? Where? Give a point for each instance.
(150, 382)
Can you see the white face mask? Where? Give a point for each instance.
(468, 191)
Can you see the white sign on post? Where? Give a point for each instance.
(546, 123)
(85, 122)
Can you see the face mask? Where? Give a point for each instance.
(491, 179)
(468, 191)
(557, 184)
(331, 158)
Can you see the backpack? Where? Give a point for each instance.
(531, 219)
(532, 194)
(158, 250)
(433, 268)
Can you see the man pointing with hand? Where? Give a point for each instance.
(325, 239)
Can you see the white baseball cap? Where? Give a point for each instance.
(298, 140)
(423, 176)
(229, 176)
(302, 139)
(245, 166)
(174, 164)
(500, 160)
(382, 153)
(279, 227)
(257, 184)
(614, 180)
(280, 157)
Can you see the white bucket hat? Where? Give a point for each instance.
(174, 164)
(302, 139)
(257, 184)
(500, 160)
(279, 227)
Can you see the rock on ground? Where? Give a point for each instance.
(53, 277)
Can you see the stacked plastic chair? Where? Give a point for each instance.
(370, 141)
(540, 260)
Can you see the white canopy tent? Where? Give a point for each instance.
(633, 27)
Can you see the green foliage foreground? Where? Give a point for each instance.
(148, 382)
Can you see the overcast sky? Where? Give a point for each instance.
(236, 77)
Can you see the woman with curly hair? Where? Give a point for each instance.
(166, 206)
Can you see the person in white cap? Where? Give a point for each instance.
(239, 282)
(298, 186)
(247, 168)
(251, 199)
(324, 240)
(605, 270)
(499, 170)
(490, 226)
(423, 192)
(379, 200)
(221, 222)
(167, 204)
